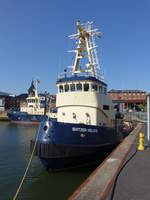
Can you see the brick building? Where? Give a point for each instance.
(129, 99)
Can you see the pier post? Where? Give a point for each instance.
(148, 118)
(141, 142)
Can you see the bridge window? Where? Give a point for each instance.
(105, 91)
(94, 87)
(86, 87)
(79, 87)
(100, 89)
(60, 88)
(66, 88)
(72, 87)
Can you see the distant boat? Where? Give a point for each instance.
(32, 111)
(87, 124)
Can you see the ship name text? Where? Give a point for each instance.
(79, 129)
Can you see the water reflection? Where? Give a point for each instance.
(39, 184)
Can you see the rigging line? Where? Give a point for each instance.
(27, 168)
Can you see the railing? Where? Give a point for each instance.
(136, 116)
(86, 74)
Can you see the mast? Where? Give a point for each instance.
(86, 48)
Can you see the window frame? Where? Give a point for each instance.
(65, 87)
(88, 84)
(77, 89)
(72, 84)
(61, 91)
(94, 89)
(101, 91)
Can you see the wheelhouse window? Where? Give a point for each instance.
(72, 87)
(79, 87)
(105, 91)
(60, 88)
(86, 87)
(66, 88)
(94, 87)
(100, 89)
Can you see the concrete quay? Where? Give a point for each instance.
(134, 180)
(3, 116)
(99, 184)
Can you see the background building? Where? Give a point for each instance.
(21, 101)
(129, 99)
(5, 100)
(2, 101)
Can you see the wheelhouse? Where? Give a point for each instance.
(81, 84)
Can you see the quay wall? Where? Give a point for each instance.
(3, 116)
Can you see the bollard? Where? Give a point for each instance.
(141, 142)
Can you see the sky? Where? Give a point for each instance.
(34, 41)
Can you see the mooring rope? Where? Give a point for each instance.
(27, 168)
(117, 176)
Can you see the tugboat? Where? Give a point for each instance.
(87, 124)
(31, 111)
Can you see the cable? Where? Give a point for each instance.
(116, 179)
(27, 168)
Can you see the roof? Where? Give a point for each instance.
(80, 78)
(4, 94)
(126, 91)
(22, 96)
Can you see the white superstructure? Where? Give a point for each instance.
(32, 105)
(82, 98)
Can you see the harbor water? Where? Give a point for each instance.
(39, 184)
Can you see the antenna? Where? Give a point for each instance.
(86, 48)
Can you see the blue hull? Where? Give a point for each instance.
(23, 117)
(63, 163)
(64, 145)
